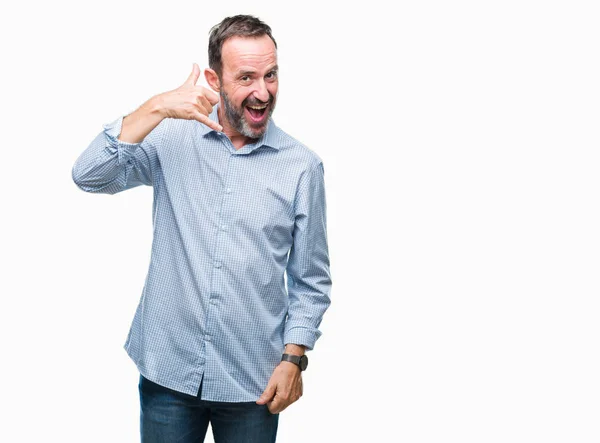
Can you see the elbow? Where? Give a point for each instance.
(90, 184)
(78, 178)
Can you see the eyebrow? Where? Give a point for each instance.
(251, 72)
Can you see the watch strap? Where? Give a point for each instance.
(296, 359)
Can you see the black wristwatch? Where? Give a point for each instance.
(300, 360)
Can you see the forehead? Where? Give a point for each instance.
(248, 52)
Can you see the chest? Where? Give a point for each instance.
(249, 193)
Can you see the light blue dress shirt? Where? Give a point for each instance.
(227, 225)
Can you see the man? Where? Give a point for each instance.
(237, 203)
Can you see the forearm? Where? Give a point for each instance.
(110, 165)
(309, 299)
(137, 125)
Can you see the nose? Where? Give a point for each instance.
(261, 92)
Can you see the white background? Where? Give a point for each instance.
(460, 145)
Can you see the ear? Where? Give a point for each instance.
(212, 79)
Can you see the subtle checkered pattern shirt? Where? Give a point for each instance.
(228, 224)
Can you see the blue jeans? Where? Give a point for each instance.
(169, 416)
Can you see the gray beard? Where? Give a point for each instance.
(237, 119)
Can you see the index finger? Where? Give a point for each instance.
(274, 407)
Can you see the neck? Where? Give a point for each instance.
(238, 140)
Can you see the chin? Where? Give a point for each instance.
(254, 132)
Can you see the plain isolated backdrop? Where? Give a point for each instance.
(460, 146)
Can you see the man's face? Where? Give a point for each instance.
(249, 83)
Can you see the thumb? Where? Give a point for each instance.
(193, 78)
(267, 395)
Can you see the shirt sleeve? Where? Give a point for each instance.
(308, 274)
(109, 165)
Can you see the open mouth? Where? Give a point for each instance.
(257, 113)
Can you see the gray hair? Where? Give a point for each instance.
(236, 26)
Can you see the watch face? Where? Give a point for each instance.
(303, 362)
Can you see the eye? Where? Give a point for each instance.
(245, 78)
(271, 75)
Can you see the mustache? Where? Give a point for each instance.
(252, 101)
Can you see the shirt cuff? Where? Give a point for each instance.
(124, 150)
(299, 335)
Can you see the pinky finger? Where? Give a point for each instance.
(208, 122)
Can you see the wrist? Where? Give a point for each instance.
(290, 365)
(137, 125)
(155, 106)
(294, 349)
(300, 361)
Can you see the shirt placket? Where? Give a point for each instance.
(219, 261)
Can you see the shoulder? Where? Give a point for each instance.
(292, 147)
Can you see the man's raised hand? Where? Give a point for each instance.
(190, 101)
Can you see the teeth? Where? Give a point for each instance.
(258, 107)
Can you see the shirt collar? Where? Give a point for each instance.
(268, 139)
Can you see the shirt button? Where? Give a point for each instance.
(213, 301)
(228, 190)
(207, 337)
(224, 227)
(217, 264)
